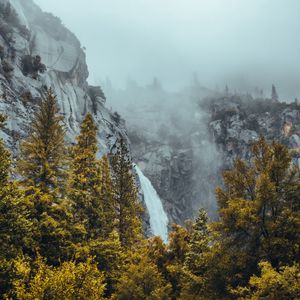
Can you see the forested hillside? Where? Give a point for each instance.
(78, 217)
(70, 225)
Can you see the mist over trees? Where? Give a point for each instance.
(70, 227)
(225, 161)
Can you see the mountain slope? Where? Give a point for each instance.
(37, 51)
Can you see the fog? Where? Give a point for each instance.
(242, 43)
(194, 48)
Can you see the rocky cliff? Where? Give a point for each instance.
(171, 143)
(184, 141)
(238, 120)
(38, 52)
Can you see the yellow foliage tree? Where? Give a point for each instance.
(126, 197)
(272, 284)
(68, 281)
(141, 279)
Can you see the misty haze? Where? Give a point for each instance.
(149, 149)
(245, 44)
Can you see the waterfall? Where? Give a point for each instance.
(158, 217)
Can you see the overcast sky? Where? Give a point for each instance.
(242, 42)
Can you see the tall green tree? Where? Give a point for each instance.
(176, 253)
(108, 198)
(141, 279)
(272, 284)
(259, 215)
(42, 154)
(5, 160)
(69, 280)
(89, 185)
(126, 197)
(42, 165)
(16, 225)
(198, 243)
(193, 281)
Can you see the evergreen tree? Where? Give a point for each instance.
(42, 167)
(141, 279)
(5, 160)
(84, 183)
(91, 192)
(198, 243)
(89, 186)
(274, 95)
(193, 282)
(176, 253)
(259, 216)
(272, 284)
(69, 280)
(16, 226)
(111, 259)
(42, 154)
(108, 198)
(126, 197)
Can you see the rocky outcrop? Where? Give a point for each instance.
(37, 52)
(237, 121)
(54, 58)
(171, 144)
(184, 175)
(184, 158)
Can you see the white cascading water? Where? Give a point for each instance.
(158, 217)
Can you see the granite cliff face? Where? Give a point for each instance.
(237, 121)
(38, 52)
(171, 143)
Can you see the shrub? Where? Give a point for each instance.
(26, 97)
(32, 66)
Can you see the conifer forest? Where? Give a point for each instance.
(165, 190)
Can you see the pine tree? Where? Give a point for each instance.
(195, 266)
(272, 284)
(198, 244)
(16, 226)
(85, 181)
(111, 259)
(274, 95)
(69, 280)
(259, 215)
(5, 160)
(90, 185)
(141, 279)
(108, 198)
(176, 253)
(42, 167)
(42, 154)
(126, 197)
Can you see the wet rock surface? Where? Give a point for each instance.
(51, 45)
(186, 167)
(234, 130)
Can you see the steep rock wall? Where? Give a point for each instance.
(66, 72)
(38, 52)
